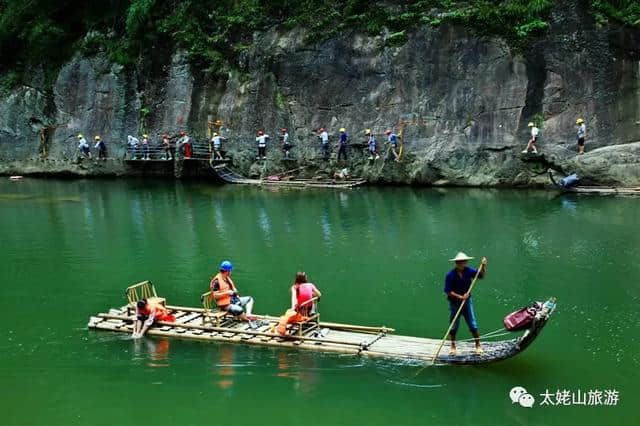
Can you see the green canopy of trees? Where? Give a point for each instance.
(215, 32)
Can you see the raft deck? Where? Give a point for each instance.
(228, 175)
(330, 337)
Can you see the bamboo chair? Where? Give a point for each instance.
(142, 290)
(210, 310)
(313, 320)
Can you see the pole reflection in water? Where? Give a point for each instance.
(225, 370)
(302, 371)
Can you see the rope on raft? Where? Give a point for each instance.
(490, 335)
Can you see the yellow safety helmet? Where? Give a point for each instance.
(530, 124)
(579, 121)
(367, 132)
(342, 129)
(79, 135)
(215, 134)
(97, 138)
(145, 136)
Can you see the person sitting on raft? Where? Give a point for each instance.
(302, 307)
(226, 295)
(456, 287)
(147, 312)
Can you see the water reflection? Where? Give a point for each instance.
(225, 369)
(156, 352)
(300, 368)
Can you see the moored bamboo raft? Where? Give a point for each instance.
(227, 175)
(193, 323)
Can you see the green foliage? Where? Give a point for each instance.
(8, 81)
(396, 39)
(215, 33)
(624, 11)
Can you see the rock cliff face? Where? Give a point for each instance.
(461, 101)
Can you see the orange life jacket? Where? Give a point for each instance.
(226, 284)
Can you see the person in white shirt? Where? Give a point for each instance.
(262, 144)
(216, 142)
(83, 147)
(324, 139)
(531, 145)
(133, 147)
(183, 145)
(286, 145)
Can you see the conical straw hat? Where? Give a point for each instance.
(461, 256)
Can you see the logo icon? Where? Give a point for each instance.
(521, 396)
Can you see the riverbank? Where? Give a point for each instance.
(617, 166)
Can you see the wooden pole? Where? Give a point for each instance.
(433, 361)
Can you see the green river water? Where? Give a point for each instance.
(379, 255)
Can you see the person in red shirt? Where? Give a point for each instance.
(302, 292)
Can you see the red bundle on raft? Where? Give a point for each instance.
(522, 318)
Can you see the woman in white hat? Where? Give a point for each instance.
(456, 287)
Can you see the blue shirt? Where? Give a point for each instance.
(393, 139)
(372, 143)
(458, 285)
(343, 138)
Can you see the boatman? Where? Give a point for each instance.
(531, 145)
(456, 287)
(226, 295)
(582, 133)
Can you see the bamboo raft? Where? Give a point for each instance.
(204, 325)
(227, 175)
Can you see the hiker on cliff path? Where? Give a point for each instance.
(392, 140)
(261, 139)
(372, 145)
(101, 147)
(342, 144)
(324, 140)
(83, 147)
(145, 147)
(133, 147)
(582, 133)
(216, 140)
(534, 138)
(286, 145)
(166, 144)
